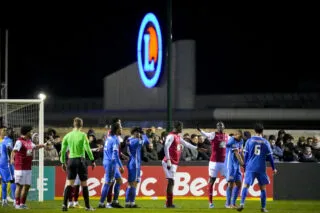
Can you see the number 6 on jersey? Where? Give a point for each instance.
(257, 149)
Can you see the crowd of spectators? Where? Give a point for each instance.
(284, 147)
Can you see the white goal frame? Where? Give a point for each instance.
(40, 184)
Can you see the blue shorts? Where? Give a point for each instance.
(111, 172)
(262, 178)
(7, 173)
(233, 175)
(133, 174)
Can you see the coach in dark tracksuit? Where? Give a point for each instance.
(78, 144)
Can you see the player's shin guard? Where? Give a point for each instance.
(244, 195)
(210, 192)
(229, 191)
(104, 192)
(235, 193)
(109, 197)
(86, 196)
(263, 198)
(13, 190)
(116, 192)
(66, 195)
(76, 193)
(4, 190)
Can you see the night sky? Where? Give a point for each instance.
(67, 53)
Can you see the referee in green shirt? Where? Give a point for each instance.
(78, 144)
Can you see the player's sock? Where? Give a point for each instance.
(71, 194)
(263, 198)
(244, 195)
(17, 201)
(235, 193)
(116, 192)
(133, 195)
(13, 190)
(210, 192)
(8, 189)
(76, 193)
(104, 193)
(229, 191)
(23, 200)
(109, 197)
(85, 194)
(66, 195)
(169, 199)
(4, 191)
(128, 195)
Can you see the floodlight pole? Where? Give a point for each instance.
(1, 56)
(5, 86)
(6, 65)
(169, 70)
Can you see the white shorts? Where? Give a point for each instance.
(23, 177)
(215, 168)
(169, 173)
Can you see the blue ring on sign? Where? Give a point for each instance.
(149, 83)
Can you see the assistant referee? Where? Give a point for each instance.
(78, 144)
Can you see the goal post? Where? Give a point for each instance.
(16, 113)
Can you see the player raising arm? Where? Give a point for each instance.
(232, 164)
(135, 143)
(257, 150)
(172, 149)
(218, 142)
(22, 156)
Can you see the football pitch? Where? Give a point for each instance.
(157, 206)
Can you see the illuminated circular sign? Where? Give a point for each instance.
(149, 50)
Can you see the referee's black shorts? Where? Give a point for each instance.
(77, 166)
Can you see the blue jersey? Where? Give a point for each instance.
(111, 151)
(256, 151)
(6, 144)
(134, 150)
(231, 160)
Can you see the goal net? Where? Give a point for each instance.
(16, 113)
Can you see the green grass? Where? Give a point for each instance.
(157, 206)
